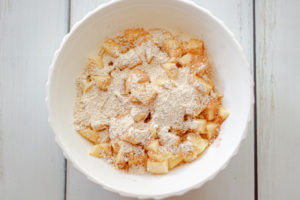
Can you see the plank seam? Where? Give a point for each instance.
(69, 15)
(255, 105)
(66, 161)
(66, 179)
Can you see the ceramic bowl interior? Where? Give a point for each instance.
(232, 77)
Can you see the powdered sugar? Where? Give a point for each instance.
(127, 148)
(164, 101)
(186, 147)
(168, 140)
(129, 59)
(158, 35)
(136, 135)
(172, 104)
(118, 126)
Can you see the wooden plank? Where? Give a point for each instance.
(278, 97)
(237, 180)
(31, 164)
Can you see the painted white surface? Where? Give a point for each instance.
(278, 97)
(31, 164)
(237, 180)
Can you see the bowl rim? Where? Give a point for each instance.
(92, 179)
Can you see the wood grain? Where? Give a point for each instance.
(278, 97)
(237, 180)
(31, 164)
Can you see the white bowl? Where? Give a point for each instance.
(233, 79)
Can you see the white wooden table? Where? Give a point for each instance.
(32, 166)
